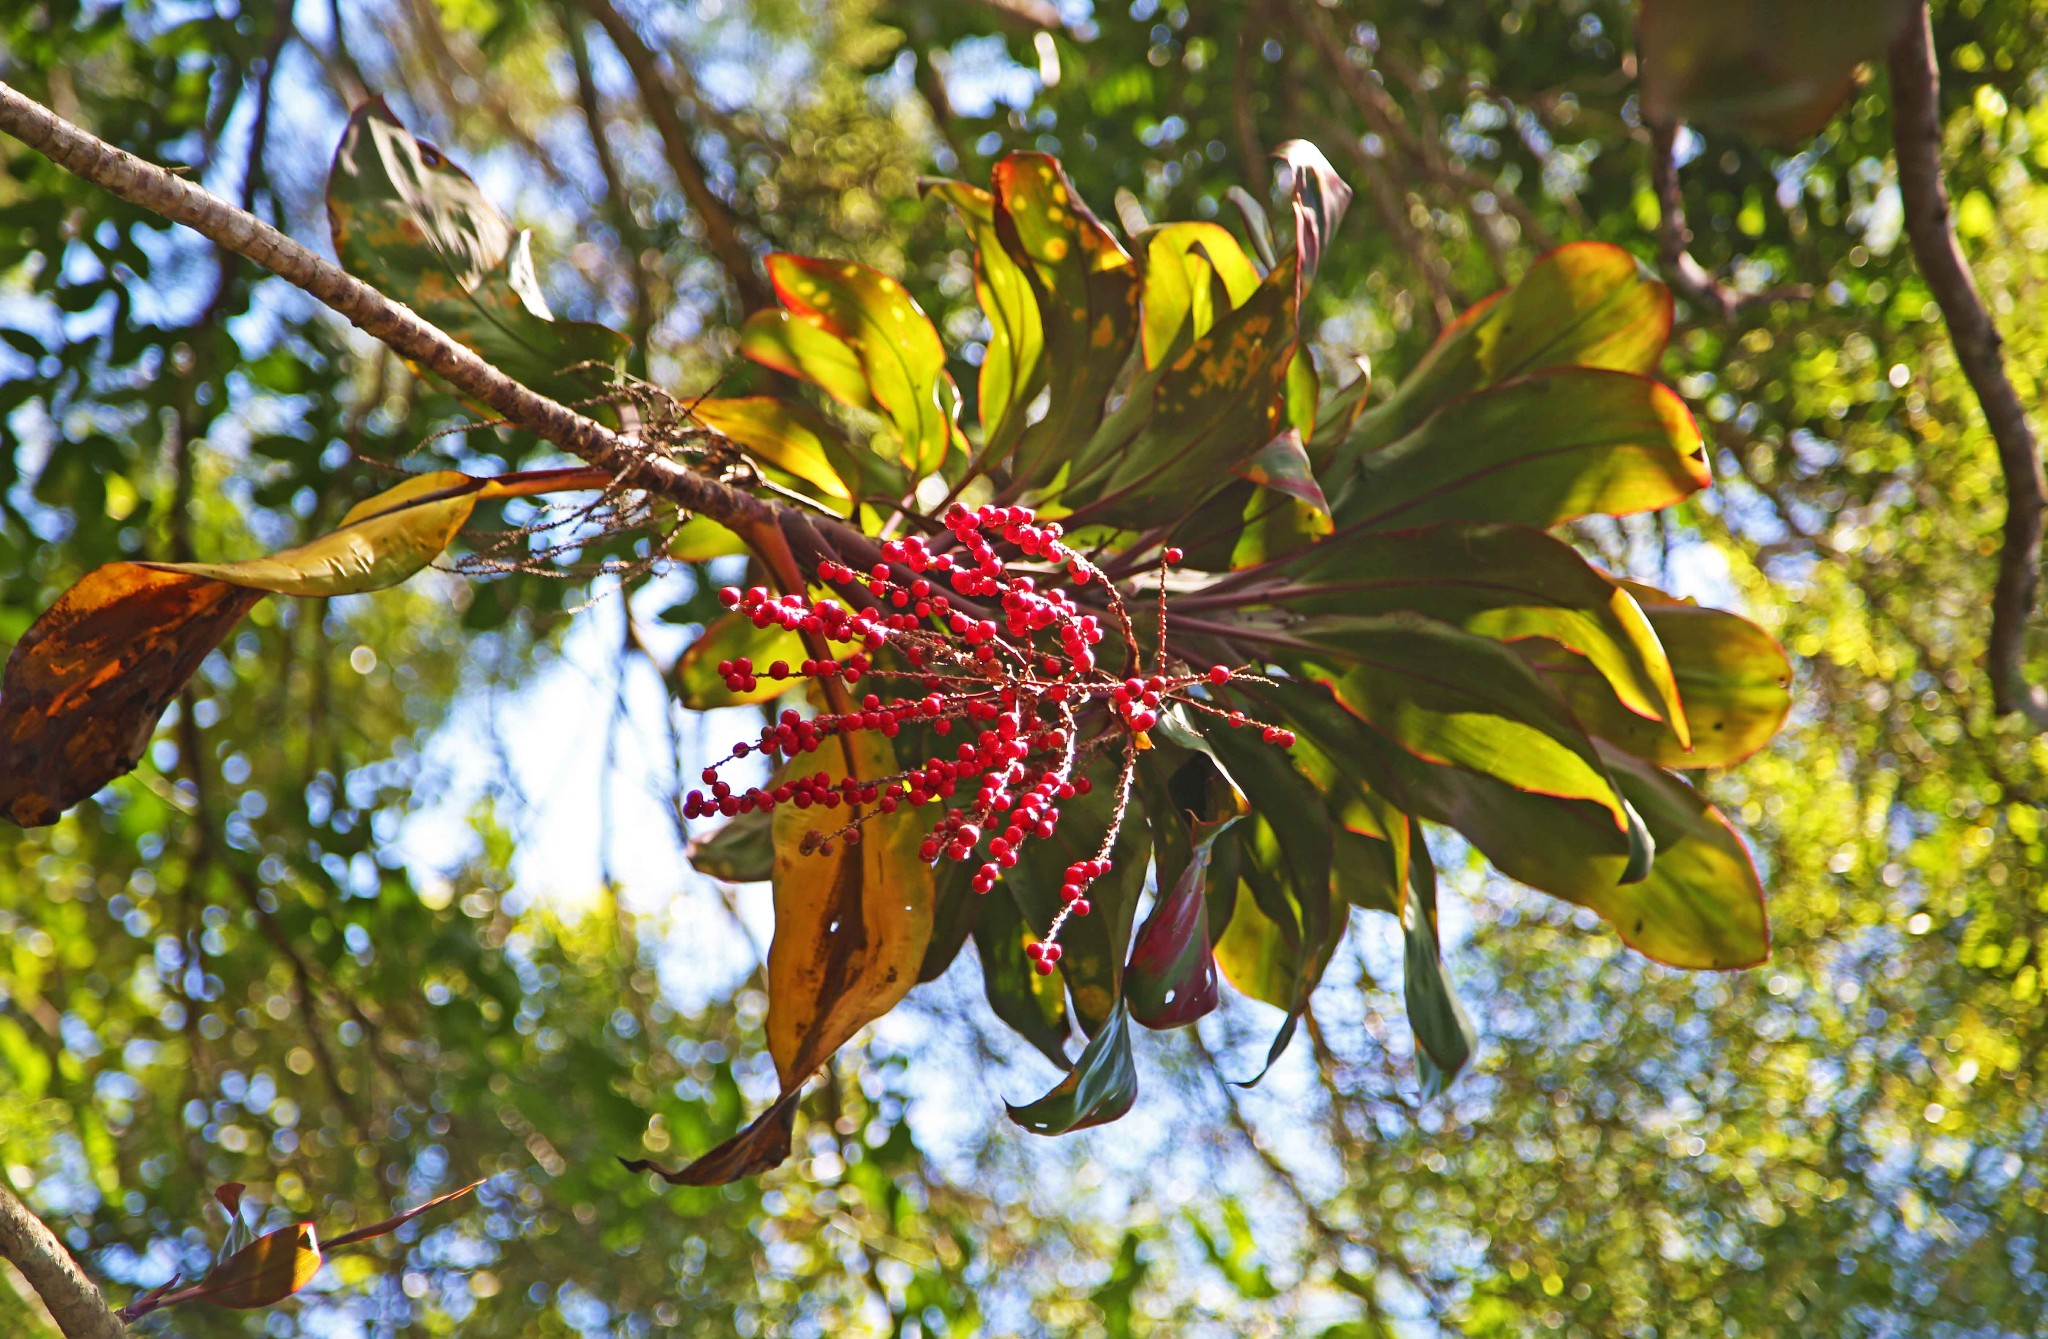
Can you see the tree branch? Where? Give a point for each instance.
(140, 183)
(1916, 138)
(721, 229)
(1693, 280)
(73, 1299)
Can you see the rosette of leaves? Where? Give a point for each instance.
(1382, 577)
(1444, 654)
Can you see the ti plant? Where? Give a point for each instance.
(1171, 613)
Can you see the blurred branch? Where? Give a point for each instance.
(1693, 280)
(721, 227)
(617, 203)
(1916, 136)
(73, 1299)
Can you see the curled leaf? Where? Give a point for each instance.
(1101, 1087)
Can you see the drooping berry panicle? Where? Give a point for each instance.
(1010, 661)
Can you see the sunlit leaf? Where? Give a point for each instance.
(266, 1271)
(1086, 287)
(1732, 677)
(1546, 448)
(700, 538)
(381, 542)
(1210, 410)
(1013, 362)
(1451, 698)
(807, 351)
(1194, 272)
(787, 436)
(1100, 1088)
(86, 683)
(1584, 304)
(1500, 581)
(1319, 198)
(899, 354)
(1702, 905)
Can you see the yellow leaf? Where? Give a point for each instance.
(851, 926)
(381, 542)
(267, 1270)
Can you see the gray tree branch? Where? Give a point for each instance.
(73, 1299)
(144, 184)
(721, 229)
(1693, 280)
(1916, 139)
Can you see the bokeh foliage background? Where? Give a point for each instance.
(235, 965)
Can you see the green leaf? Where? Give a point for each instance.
(1100, 1088)
(1194, 273)
(700, 538)
(1368, 872)
(1455, 699)
(1034, 1006)
(1546, 448)
(807, 351)
(1443, 1034)
(1209, 409)
(1501, 581)
(1013, 364)
(1568, 848)
(955, 909)
(729, 637)
(1702, 905)
(1776, 69)
(1086, 287)
(1282, 466)
(415, 226)
(1584, 304)
(740, 851)
(1731, 676)
(900, 355)
(786, 436)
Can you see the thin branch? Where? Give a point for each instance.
(1916, 137)
(1695, 281)
(150, 187)
(618, 202)
(721, 228)
(73, 1299)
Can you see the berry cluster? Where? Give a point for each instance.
(1009, 660)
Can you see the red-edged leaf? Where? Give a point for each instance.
(398, 1220)
(1540, 450)
(1171, 978)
